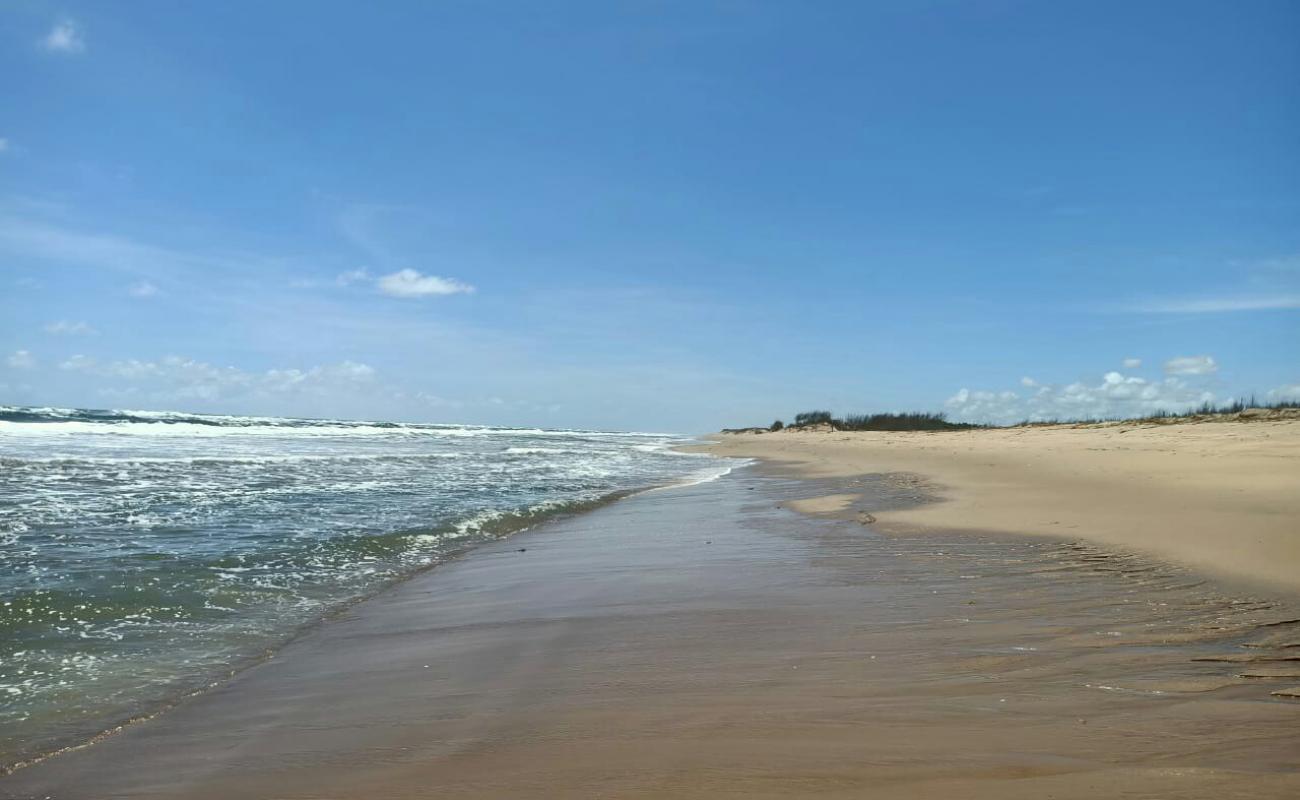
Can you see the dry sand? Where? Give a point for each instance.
(1223, 497)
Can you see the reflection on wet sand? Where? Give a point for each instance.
(710, 641)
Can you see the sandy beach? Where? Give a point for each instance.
(1222, 497)
(357, 364)
(712, 641)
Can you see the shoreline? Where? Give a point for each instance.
(1220, 498)
(706, 640)
(186, 688)
(190, 687)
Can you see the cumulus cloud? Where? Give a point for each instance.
(1114, 395)
(64, 37)
(68, 328)
(1288, 393)
(409, 283)
(143, 289)
(1191, 365)
(21, 359)
(1132, 363)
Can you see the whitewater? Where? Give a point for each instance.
(145, 554)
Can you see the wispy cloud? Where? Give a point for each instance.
(1262, 284)
(77, 363)
(1191, 365)
(4, 145)
(29, 237)
(1217, 305)
(352, 276)
(21, 359)
(176, 378)
(143, 289)
(403, 283)
(1132, 363)
(68, 328)
(409, 283)
(65, 37)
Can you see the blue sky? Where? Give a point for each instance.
(648, 215)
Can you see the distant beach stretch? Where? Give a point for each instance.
(1221, 495)
(842, 618)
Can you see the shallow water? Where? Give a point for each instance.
(707, 642)
(142, 553)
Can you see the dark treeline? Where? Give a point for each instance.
(912, 421)
(812, 418)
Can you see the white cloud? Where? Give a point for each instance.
(143, 289)
(67, 328)
(1028, 382)
(403, 283)
(78, 363)
(21, 359)
(64, 37)
(1191, 365)
(1132, 363)
(4, 145)
(409, 283)
(284, 380)
(1290, 392)
(1115, 395)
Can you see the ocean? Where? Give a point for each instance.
(145, 555)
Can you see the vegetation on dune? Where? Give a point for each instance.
(806, 418)
(1230, 408)
(1241, 408)
(910, 421)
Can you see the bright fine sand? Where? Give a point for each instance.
(716, 641)
(1223, 497)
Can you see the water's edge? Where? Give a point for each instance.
(498, 530)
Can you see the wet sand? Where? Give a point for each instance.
(1222, 497)
(710, 641)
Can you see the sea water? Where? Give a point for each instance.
(145, 554)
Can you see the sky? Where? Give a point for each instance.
(669, 216)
